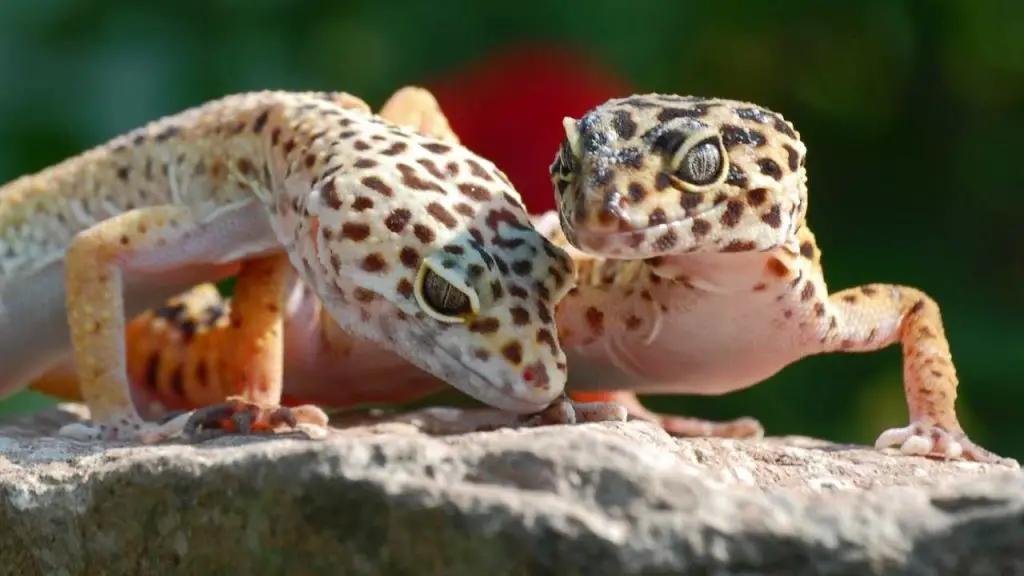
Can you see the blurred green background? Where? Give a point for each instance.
(913, 113)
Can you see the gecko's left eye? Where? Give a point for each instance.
(702, 163)
(441, 299)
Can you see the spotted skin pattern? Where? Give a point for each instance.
(409, 241)
(703, 276)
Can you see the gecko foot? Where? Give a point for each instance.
(685, 426)
(568, 411)
(239, 416)
(126, 428)
(930, 440)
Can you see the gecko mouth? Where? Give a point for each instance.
(467, 379)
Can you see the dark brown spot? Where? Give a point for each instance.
(122, 173)
(691, 200)
(404, 288)
(666, 241)
(633, 322)
(623, 124)
(917, 307)
(739, 246)
(410, 258)
(395, 149)
(178, 381)
(475, 192)
(819, 309)
(362, 203)
(484, 325)
(167, 133)
(735, 135)
(374, 263)
(355, 231)
(695, 111)
(657, 217)
(364, 163)
(849, 298)
(792, 157)
(310, 160)
(465, 209)
(360, 145)
(868, 290)
(700, 228)
(520, 316)
(522, 267)
(477, 170)
(438, 148)
(518, 292)
(125, 240)
(431, 167)
(636, 192)
(423, 233)
(513, 352)
(808, 292)
(377, 185)
(773, 217)
(662, 180)
(736, 177)
(544, 336)
(595, 320)
(442, 215)
(770, 168)
(413, 180)
(760, 287)
(807, 249)
(260, 121)
(668, 142)
(482, 355)
(397, 219)
(733, 213)
(757, 196)
(152, 370)
(497, 291)
(363, 295)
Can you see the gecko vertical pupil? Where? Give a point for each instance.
(703, 163)
(444, 298)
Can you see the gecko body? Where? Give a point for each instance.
(696, 273)
(408, 241)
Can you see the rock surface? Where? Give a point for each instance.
(602, 498)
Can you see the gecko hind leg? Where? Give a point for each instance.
(253, 365)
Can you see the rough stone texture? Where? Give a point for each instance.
(386, 498)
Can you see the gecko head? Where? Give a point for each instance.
(432, 253)
(654, 175)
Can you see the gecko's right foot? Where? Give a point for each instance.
(934, 441)
(239, 416)
(126, 428)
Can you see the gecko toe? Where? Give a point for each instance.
(933, 441)
(239, 416)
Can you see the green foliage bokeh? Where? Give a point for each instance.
(912, 112)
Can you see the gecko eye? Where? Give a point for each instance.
(701, 164)
(442, 300)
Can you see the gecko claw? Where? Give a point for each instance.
(934, 441)
(239, 416)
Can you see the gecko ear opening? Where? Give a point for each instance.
(443, 296)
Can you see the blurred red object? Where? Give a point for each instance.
(509, 107)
